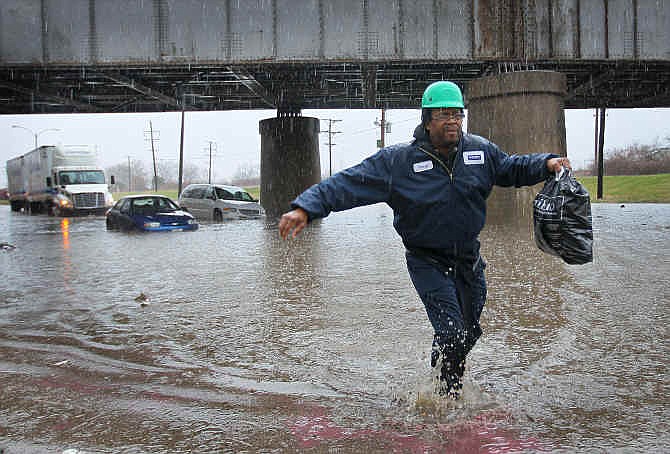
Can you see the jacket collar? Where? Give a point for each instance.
(421, 136)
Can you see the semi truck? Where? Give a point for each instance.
(60, 181)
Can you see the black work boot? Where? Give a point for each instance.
(451, 379)
(449, 374)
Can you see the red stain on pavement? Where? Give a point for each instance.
(483, 434)
(72, 385)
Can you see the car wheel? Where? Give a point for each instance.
(218, 217)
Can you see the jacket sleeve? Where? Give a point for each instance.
(520, 170)
(363, 184)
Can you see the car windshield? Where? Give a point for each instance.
(150, 205)
(244, 196)
(233, 195)
(81, 177)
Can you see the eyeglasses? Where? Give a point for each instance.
(447, 116)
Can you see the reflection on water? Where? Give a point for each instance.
(65, 229)
(249, 343)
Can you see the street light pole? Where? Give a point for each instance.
(35, 134)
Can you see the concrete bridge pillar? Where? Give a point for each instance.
(522, 112)
(290, 160)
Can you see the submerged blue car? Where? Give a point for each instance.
(149, 213)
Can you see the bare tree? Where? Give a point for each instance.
(637, 159)
(247, 175)
(129, 176)
(194, 173)
(168, 173)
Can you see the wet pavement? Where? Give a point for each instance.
(229, 340)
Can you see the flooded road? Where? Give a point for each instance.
(229, 340)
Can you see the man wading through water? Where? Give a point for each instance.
(437, 186)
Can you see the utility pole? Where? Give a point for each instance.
(129, 177)
(181, 153)
(330, 142)
(211, 142)
(601, 151)
(385, 127)
(595, 142)
(381, 126)
(153, 153)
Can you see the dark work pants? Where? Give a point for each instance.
(453, 292)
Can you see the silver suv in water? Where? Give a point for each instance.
(218, 202)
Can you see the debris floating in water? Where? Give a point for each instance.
(142, 299)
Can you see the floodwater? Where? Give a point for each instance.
(246, 343)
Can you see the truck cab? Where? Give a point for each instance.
(80, 190)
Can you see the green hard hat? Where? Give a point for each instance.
(442, 94)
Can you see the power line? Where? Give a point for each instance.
(361, 131)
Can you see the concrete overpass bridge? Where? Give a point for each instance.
(61, 56)
(67, 56)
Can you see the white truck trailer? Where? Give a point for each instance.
(60, 181)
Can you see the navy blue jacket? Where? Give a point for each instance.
(434, 207)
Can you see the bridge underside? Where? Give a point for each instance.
(26, 89)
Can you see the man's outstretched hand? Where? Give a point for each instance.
(555, 164)
(295, 220)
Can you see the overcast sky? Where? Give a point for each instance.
(237, 141)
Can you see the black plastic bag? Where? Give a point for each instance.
(562, 219)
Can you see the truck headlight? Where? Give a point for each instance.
(64, 202)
